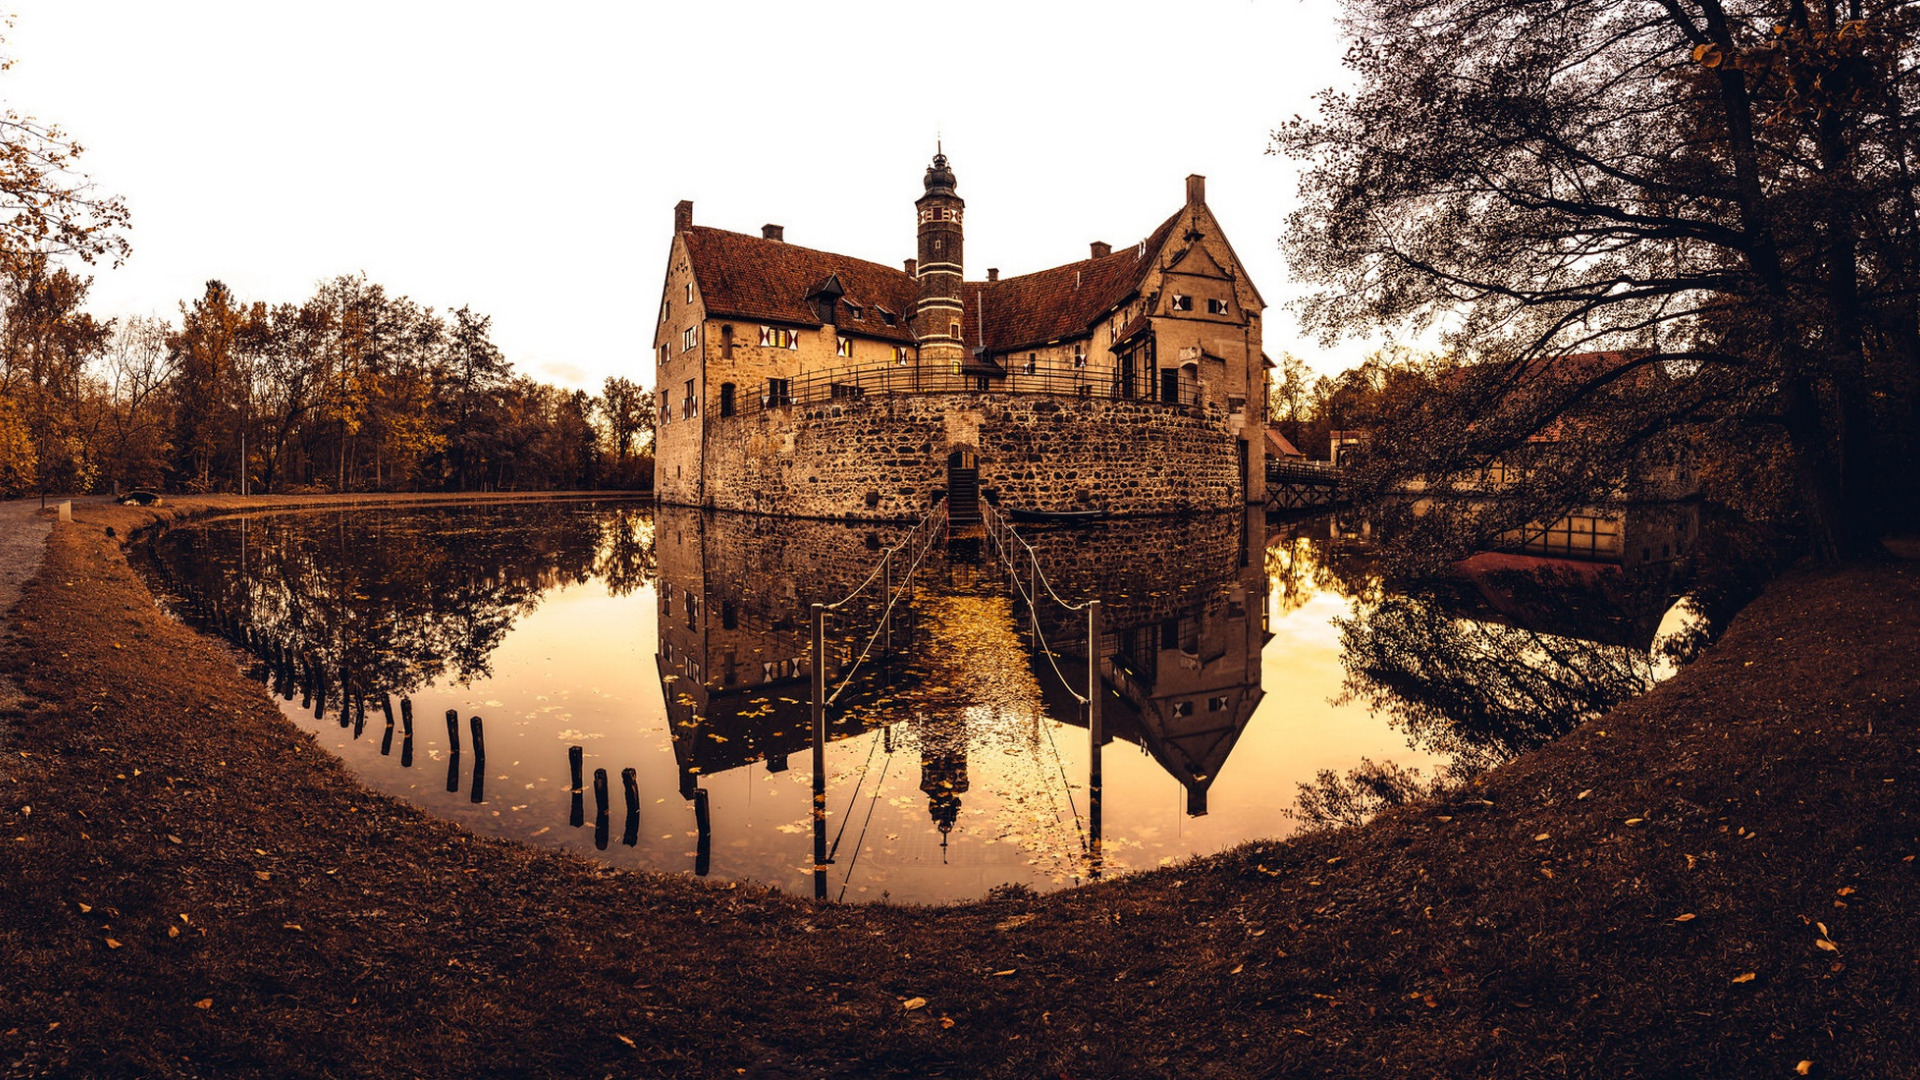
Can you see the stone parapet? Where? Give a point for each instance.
(886, 458)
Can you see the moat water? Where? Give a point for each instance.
(1244, 659)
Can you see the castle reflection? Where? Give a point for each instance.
(959, 670)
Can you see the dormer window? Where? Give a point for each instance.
(1180, 303)
(855, 311)
(886, 316)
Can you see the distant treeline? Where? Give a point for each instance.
(352, 389)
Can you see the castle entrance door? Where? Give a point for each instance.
(963, 488)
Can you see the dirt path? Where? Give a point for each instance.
(1716, 880)
(23, 540)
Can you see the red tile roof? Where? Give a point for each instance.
(750, 277)
(1060, 303)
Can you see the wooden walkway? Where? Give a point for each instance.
(1298, 485)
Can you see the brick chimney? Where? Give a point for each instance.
(993, 273)
(774, 232)
(683, 215)
(1101, 249)
(1196, 190)
(913, 267)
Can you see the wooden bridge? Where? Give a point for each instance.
(1296, 485)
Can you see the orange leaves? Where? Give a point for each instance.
(1709, 55)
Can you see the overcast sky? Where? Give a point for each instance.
(525, 158)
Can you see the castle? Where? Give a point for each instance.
(803, 383)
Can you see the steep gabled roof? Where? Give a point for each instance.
(1060, 303)
(749, 277)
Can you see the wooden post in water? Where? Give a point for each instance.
(600, 792)
(453, 730)
(479, 742)
(703, 826)
(630, 784)
(386, 706)
(575, 755)
(406, 715)
(819, 752)
(1096, 736)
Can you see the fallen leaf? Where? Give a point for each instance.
(172, 839)
(1804, 1068)
(914, 1003)
(1829, 946)
(1635, 821)
(1584, 794)
(1688, 917)
(1745, 977)
(294, 926)
(624, 1039)
(173, 931)
(84, 908)
(1002, 974)
(946, 1021)
(1237, 969)
(203, 1003)
(1543, 836)
(112, 944)
(262, 874)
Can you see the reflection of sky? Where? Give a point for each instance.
(580, 667)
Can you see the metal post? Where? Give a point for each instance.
(819, 751)
(1095, 737)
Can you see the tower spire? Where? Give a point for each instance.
(938, 314)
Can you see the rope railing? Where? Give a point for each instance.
(926, 535)
(1000, 533)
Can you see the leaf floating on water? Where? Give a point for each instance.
(293, 926)
(914, 1003)
(1688, 917)
(203, 1003)
(1003, 974)
(1829, 946)
(626, 1040)
(1238, 968)
(1632, 821)
(1543, 836)
(1745, 977)
(84, 908)
(1584, 794)
(173, 931)
(1804, 1068)
(946, 1021)
(112, 944)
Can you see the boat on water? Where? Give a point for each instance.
(1054, 517)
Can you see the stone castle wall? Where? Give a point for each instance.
(884, 457)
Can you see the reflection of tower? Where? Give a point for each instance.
(943, 771)
(937, 314)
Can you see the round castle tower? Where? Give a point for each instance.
(937, 313)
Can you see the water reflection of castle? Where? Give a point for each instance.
(1185, 621)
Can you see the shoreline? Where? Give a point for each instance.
(331, 930)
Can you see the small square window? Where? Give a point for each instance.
(902, 355)
(1216, 307)
(1033, 362)
(689, 292)
(843, 346)
(686, 339)
(1079, 356)
(1180, 303)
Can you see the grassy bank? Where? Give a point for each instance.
(1717, 879)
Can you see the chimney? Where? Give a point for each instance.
(993, 273)
(1196, 190)
(683, 215)
(913, 267)
(1102, 249)
(774, 232)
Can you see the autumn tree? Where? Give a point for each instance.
(474, 369)
(1719, 194)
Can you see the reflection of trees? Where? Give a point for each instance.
(626, 559)
(394, 599)
(1479, 686)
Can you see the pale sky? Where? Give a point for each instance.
(525, 159)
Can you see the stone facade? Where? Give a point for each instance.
(1131, 381)
(886, 457)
